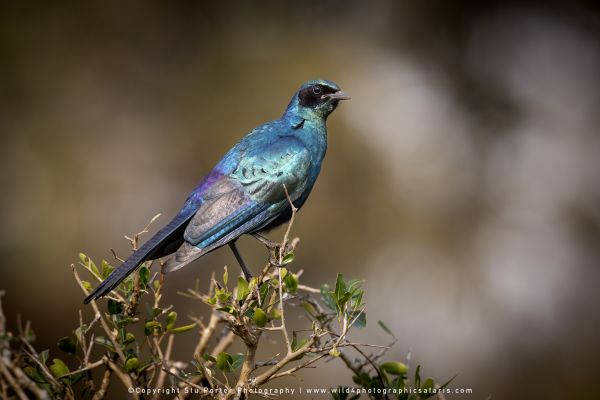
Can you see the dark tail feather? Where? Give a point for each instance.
(153, 248)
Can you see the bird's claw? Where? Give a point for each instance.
(274, 261)
(271, 245)
(275, 250)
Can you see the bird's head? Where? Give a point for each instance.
(316, 99)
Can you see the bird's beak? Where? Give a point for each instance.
(339, 95)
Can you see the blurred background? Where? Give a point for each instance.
(461, 182)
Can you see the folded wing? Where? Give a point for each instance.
(246, 199)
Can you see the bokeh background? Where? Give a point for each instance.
(461, 182)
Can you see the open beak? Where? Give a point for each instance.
(339, 95)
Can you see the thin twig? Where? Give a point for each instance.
(298, 367)
(309, 289)
(374, 367)
(28, 383)
(88, 366)
(266, 376)
(207, 334)
(12, 382)
(106, 328)
(162, 375)
(283, 327)
(123, 377)
(289, 227)
(101, 392)
(179, 378)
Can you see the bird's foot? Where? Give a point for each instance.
(274, 261)
(275, 250)
(271, 245)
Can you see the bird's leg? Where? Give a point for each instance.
(274, 248)
(271, 245)
(240, 260)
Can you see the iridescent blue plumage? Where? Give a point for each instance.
(244, 193)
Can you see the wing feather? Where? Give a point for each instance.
(249, 197)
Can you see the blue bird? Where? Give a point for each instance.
(244, 193)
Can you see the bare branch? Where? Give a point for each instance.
(266, 376)
(101, 392)
(167, 356)
(283, 327)
(109, 332)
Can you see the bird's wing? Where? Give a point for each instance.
(245, 199)
(264, 171)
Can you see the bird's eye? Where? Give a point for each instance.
(317, 89)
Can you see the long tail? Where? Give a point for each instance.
(153, 248)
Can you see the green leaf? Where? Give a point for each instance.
(132, 363)
(394, 368)
(208, 357)
(129, 338)
(87, 286)
(89, 263)
(171, 319)
(400, 383)
(275, 313)
(242, 289)
(353, 284)
(228, 310)
(114, 307)
(225, 276)
(297, 344)
(238, 360)
(428, 384)
(340, 288)
(291, 282)
(35, 374)
(151, 326)
(67, 344)
(224, 362)
(58, 368)
(327, 296)
(144, 276)
(356, 300)
(123, 322)
(106, 269)
(263, 291)
(101, 340)
(253, 283)
(309, 308)
(259, 317)
(385, 328)
(122, 334)
(418, 377)
(223, 295)
(184, 328)
(361, 319)
(156, 311)
(44, 356)
(288, 258)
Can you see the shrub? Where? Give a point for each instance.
(134, 348)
